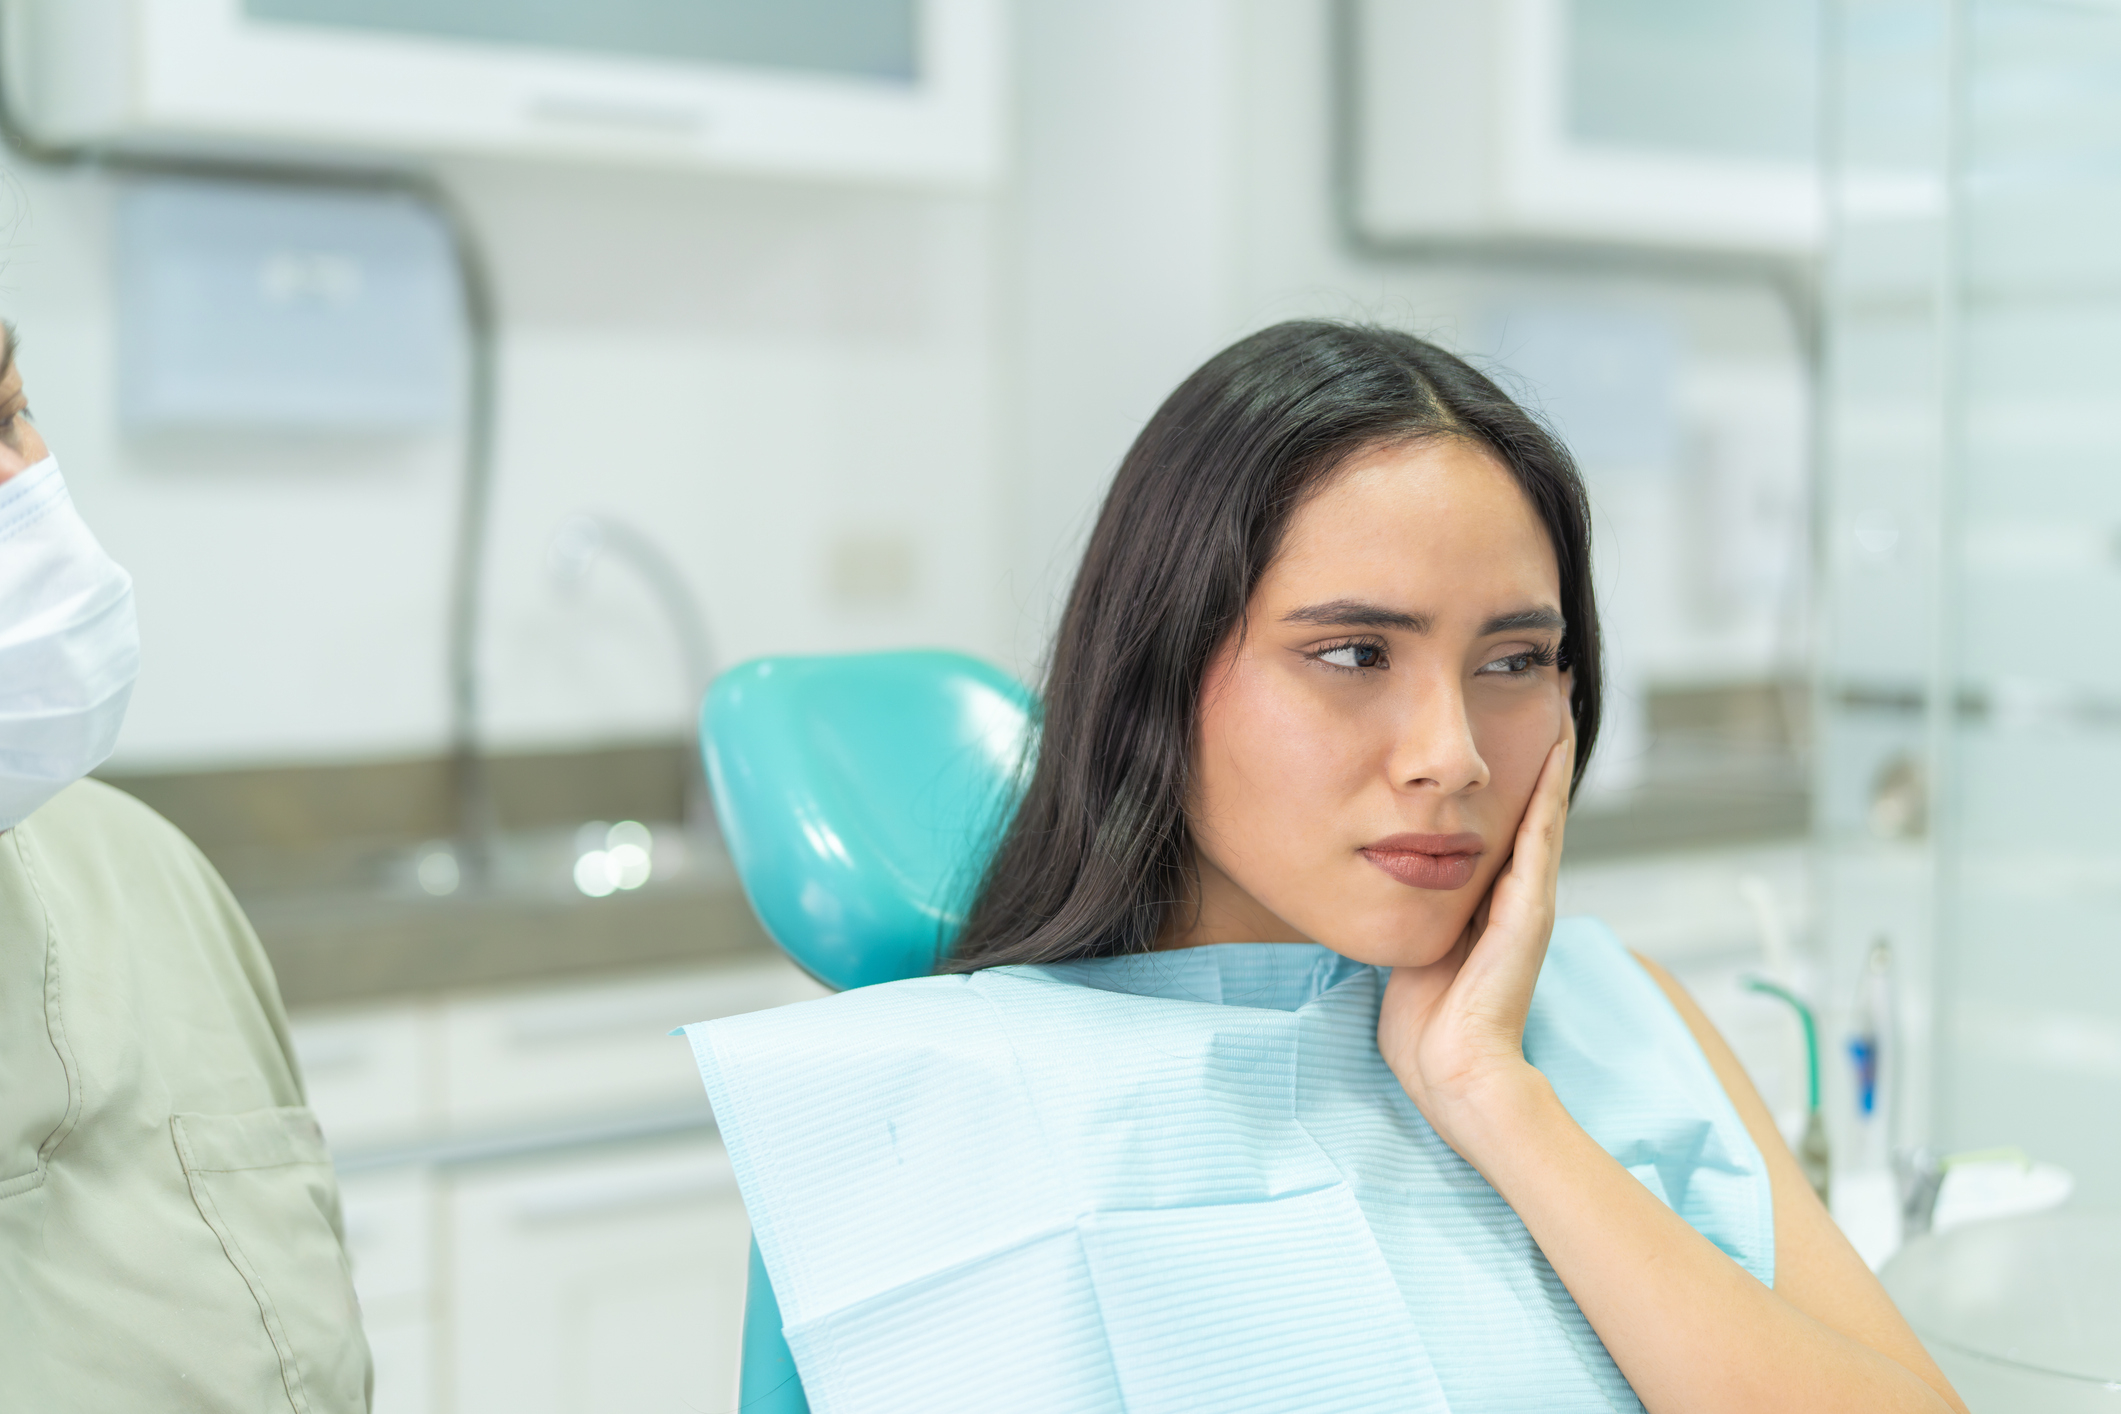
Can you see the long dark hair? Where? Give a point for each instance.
(1099, 848)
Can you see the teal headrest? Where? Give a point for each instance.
(861, 796)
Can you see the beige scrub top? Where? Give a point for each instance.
(169, 1225)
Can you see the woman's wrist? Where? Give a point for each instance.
(1494, 1113)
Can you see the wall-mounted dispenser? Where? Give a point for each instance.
(277, 307)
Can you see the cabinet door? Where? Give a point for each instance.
(607, 1283)
(595, 1048)
(370, 1072)
(389, 1240)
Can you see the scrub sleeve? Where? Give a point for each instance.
(170, 1236)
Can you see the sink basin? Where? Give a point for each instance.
(2023, 1314)
(352, 923)
(352, 906)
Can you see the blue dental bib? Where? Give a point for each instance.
(1187, 1181)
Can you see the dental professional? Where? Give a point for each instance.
(1262, 1076)
(169, 1223)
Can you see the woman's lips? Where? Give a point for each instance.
(1427, 861)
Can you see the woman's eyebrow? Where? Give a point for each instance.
(1353, 613)
(1525, 620)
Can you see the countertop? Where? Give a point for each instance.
(345, 923)
(332, 950)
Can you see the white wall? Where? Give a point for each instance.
(1126, 242)
(760, 376)
(763, 377)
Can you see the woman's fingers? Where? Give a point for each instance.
(1548, 817)
(1535, 856)
(1443, 1026)
(1520, 908)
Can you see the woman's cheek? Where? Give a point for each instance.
(1275, 769)
(1244, 770)
(1302, 749)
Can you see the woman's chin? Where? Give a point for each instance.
(1400, 947)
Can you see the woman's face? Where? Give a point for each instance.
(1368, 745)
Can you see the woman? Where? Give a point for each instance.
(1164, 1136)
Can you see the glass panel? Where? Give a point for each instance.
(856, 38)
(1974, 519)
(1718, 78)
(2031, 1015)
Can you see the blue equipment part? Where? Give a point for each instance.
(861, 796)
(767, 1382)
(1863, 1050)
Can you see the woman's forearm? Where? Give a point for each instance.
(1693, 1331)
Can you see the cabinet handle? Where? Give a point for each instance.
(455, 1151)
(323, 1057)
(598, 1195)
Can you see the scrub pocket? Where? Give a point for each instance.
(263, 1182)
(1282, 1305)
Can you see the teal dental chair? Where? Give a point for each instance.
(860, 797)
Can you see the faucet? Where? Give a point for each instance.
(573, 553)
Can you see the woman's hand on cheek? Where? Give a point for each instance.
(1453, 1031)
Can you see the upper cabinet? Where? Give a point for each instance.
(897, 91)
(1678, 126)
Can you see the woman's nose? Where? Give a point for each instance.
(1434, 747)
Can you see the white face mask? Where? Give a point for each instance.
(69, 646)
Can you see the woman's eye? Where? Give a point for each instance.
(1354, 655)
(1513, 665)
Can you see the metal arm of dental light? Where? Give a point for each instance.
(573, 554)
